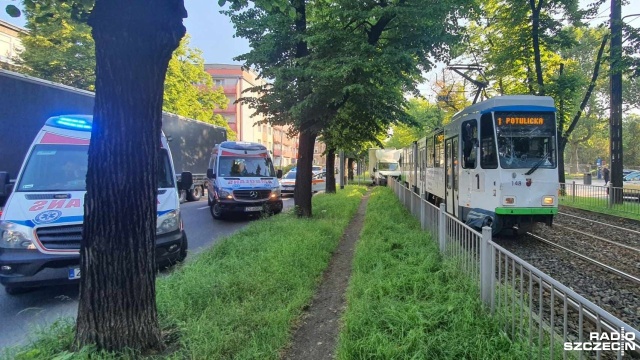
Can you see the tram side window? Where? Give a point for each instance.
(439, 150)
(488, 143)
(469, 132)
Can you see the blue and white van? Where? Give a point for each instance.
(241, 179)
(41, 223)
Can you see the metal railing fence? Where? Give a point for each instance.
(532, 307)
(593, 196)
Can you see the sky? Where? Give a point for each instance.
(213, 33)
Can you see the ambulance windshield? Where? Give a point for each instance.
(64, 168)
(245, 166)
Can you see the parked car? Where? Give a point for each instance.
(288, 182)
(314, 168)
(319, 182)
(631, 185)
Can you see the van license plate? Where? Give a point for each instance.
(253, 208)
(74, 273)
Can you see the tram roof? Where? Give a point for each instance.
(509, 103)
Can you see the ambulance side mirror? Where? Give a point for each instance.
(210, 174)
(6, 187)
(279, 174)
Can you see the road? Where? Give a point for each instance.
(20, 314)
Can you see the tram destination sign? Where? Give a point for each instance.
(517, 119)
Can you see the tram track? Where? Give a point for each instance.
(608, 278)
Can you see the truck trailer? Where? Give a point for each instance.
(27, 102)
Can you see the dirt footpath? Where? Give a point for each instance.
(317, 335)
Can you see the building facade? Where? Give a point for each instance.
(10, 44)
(234, 80)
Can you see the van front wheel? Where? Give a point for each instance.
(216, 210)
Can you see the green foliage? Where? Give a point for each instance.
(630, 136)
(358, 88)
(198, 100)
(57, 47)
(427, 118)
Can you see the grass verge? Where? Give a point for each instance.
(240, 298)
(404, 302)
(628, 209)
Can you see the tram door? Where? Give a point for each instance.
(451, 169)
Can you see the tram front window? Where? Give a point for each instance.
(526, 152)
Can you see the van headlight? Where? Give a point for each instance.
(275, 193)
(14, 236)
(225, 194)
(168, 222)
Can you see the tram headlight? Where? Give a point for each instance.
(509, 200)
(548, 200)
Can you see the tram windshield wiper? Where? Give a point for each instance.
(537, 165)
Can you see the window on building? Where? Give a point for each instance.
(218, 82)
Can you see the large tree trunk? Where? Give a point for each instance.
(331, 174)
(134, 42)
(302, 193)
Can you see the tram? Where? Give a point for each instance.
(494, 164)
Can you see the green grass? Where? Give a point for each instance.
(628, 209)
(404, 302)
(240, 298)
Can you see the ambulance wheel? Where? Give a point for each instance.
(216, 210)
(183, 248)
(194, 194)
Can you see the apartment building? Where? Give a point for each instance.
(234, 80)
(10, 44)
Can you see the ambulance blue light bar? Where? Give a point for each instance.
(71, 122)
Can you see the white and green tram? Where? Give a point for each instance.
(494, 164)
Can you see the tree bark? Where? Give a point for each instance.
(331, 174)
(134, 42)
(535, 35)
(350, 162)
(302, 193)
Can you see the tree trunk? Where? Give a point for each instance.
(535, 35)
(302, 193)
(331, 174)
(350, 162)
(562, 143)
(134, 42)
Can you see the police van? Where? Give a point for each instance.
(241, 179)
(41, 223)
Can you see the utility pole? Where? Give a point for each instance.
(615, 117)
(341, 171)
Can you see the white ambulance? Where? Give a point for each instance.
(241, 179)
(41, 223)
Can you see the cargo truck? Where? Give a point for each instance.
(382, 164)
(27, 102)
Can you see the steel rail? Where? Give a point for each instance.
(588, 259)
(601, 223)
(599, 238)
